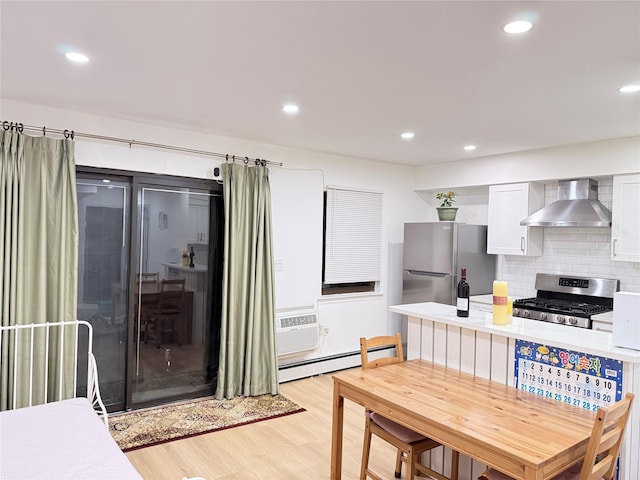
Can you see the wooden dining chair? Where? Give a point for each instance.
(602, 451)
(147, 277)
(166, 311)
(410, 445)
(146, 301)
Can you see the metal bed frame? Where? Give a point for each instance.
(93, 390)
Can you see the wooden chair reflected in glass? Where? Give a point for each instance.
(143, 281)
(163, 312)
(147, 277)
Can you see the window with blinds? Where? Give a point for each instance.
(353, 239)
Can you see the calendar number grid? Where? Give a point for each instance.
(579, 379)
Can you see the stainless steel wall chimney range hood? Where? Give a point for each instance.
(577, 206)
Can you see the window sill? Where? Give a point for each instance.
(349, 297)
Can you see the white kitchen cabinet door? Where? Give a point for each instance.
(625, 221)
(198, 224)
(508, 205)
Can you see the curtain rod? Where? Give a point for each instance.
(19, 127)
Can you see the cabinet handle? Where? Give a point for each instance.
(615, 245)
(522, 243)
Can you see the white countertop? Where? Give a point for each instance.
(197, 268)
(571, 338)
(603, 317)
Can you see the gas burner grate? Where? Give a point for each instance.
(561, 306)
(568, 300)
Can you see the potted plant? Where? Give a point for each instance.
(446, 210)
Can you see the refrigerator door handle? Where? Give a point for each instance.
(428, 274)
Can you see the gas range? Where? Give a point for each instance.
(567, 300)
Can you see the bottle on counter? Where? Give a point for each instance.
(500, 302)
(185, 258)
(462, 302)
(191, 255)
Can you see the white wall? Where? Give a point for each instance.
(593, 159)
(297, 245)
(297, 236)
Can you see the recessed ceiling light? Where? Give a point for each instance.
(519, 26)
(629, 89)
(407, 135)
(104, 180)
(76, 57)
(469, 148)
(290, 108)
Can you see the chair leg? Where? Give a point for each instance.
(455, 457)
(176, 332)
(398, 472)
(411, 463)
(366, 448)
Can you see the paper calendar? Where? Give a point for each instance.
(579, 379)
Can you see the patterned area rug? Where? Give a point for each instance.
(144, 428)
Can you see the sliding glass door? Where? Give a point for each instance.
(150, 270)
(103, 276)
(172, 294)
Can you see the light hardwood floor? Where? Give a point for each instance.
(294, 447)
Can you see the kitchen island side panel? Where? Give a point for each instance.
(492, 356)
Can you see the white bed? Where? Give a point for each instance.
(61, 439)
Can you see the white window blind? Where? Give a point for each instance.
(352, 236)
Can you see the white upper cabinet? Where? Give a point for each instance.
(625, 221)
(508, 205)
(198, 216)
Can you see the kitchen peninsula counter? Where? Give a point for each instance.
(475, 345)
(573, 338)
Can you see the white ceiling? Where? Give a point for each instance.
(361, 72)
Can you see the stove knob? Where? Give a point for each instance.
(572, 320)
(526, 313)
(516, 312)
(543, 315)
(560, 318)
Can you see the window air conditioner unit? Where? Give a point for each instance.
(296, 332)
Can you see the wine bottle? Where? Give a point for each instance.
(463, 295)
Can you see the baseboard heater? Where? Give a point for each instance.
(312, 361)
(328, 358)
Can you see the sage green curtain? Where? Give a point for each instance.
(248, 359)
(39, 261)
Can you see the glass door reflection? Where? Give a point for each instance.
(103, 276)
(172, 295)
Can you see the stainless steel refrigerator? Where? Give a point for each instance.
(433, 255)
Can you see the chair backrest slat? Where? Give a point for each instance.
(147, 277)
(378, 342)
(176, 285)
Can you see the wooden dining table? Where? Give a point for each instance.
(526, 436)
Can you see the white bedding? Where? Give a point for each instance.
(59, 440)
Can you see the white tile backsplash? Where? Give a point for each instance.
(571, 251)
